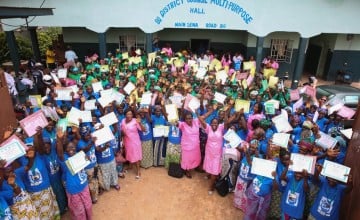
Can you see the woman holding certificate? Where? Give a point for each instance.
(190, 143)
(77, 187)
(213, 148)
(131, 139)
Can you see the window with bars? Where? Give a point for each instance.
(281, 50)
(126, 42)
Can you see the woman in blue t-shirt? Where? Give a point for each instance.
(173, 149)
(14, 192)
(293, 197)
(158, 119)
(77, 190)
(37, 183)
(245, 177)
(146, 140)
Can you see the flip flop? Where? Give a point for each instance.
(137, 177)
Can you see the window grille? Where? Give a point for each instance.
(126, 42)
(281, 50)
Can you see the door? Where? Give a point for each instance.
(199, 46)
(312, 59)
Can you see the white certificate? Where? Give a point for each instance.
(55, 78)
(177, 100)
(74, 115)
(106, 92)
(103, 136)
(146, 99)
(221, 76)
(109, 119)
(335, 171)
(201, 73)
(204, 63)
(63, 94)
(316, 116)
(281, 139)
(33, 121)
(105, 100)
(77, 162)
(325, 141)
(86, 116)
(233, 139)
(263, 167)
(129, 87)
(97, 86)
(347, 133)
(194, 104)
(12, 149)
(62, 73)
(281, 124)
(298, 104)
(219, 97)
(302, 162)
(172, 112)
(90, 104)
(75, 89)
(118, 97)
(161, 131)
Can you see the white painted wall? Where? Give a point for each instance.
(224, 36)
(307, 17)
(342, 43)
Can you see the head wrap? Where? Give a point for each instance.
(254, 141)
(308, 125)
(84, 130)
(307, 145)
(46, 140)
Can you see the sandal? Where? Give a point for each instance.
(121, 175)
(188, 175)
(137, 177)
(117, 187)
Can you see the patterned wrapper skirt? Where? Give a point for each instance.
(109, 174)
(275, 210)
(80, 205)
(173, 154)
(46, 204)
(147, 153)
(160, 152)
(240, 195)
(23, 208)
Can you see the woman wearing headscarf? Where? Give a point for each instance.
(87, 144)
(77, 189)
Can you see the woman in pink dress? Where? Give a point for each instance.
(213, 150)
(258, 108)
(131, 139)
(190, 144)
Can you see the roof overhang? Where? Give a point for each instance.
(22, 12)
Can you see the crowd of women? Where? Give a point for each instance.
(41, 186)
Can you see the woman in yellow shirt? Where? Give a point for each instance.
(50, 58)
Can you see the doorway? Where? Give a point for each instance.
(312, 59)
(199, 46)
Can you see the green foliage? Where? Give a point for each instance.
(46, 37)
(24, 45)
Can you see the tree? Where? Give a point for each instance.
(24, 46)
(46, 36)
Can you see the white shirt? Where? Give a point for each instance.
(70, 56)
(11, 84)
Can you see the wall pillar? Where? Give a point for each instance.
(102, 45)
(14, 52)
(259, 52)
(35, 43)
(148, 38)
(299, 66)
